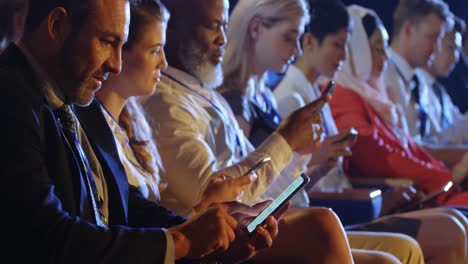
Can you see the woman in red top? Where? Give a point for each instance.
(383, 148)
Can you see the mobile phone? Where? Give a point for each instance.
(352, 134)
(257, 166)
(429, 197)
(329, 89)
(279, 202)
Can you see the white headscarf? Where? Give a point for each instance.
(357, 69)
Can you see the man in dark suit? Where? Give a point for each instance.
(63, 201)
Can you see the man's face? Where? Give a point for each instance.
(211, 32)
(424, 40)
(204, 54)
(448, 55)
(94, 51)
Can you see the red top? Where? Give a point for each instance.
(379, 152)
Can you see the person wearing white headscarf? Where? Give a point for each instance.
(357, 71)
(383, 148)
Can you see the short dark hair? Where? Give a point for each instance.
(415, 10)
(38, 11)
(141, 13)
(371, 22)
(79, 10)
(327, 17)
(8, 8)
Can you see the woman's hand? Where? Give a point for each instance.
(224, 189)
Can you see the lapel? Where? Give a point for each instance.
(60, 161)
(102, 140)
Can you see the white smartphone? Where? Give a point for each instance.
(279, 202)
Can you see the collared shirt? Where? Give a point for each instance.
(55, 98)
(137, 176)
(295, 91)
(397, 77)
(455, 129)
(198, 137)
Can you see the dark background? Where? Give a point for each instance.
(385, 8)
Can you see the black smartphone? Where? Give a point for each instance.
(352, 134)
(330, 88)
(257, 166)
(427, 198)
(297, 185)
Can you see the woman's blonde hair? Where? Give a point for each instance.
(237, 63)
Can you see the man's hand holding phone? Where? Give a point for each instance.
(245, 245)
(218, 232)
(302, 129)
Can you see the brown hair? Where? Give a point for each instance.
(132, 118)
(415, 10)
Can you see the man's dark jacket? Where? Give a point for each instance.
(47, 216)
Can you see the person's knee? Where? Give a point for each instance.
(319, 222)
(372, 256)
(455, 239)
(326, 219)
(406, 249)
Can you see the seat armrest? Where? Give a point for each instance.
(380, 183)
(347, 194)
(353, 206)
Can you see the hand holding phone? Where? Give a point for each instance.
(353, 133)
(297, 185)
(425, 199)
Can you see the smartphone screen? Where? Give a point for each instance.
(279, 202)
(257, 166)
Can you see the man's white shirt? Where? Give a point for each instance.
(198, 137)
(398, 77)
(456, 130)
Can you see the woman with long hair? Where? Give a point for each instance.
(264, 35)
(382, 148)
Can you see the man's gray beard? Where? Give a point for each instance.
(197, 63)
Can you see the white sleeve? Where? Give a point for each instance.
(290, 103)
(187, 148)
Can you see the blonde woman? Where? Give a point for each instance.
(118, 131)
(264, 35)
